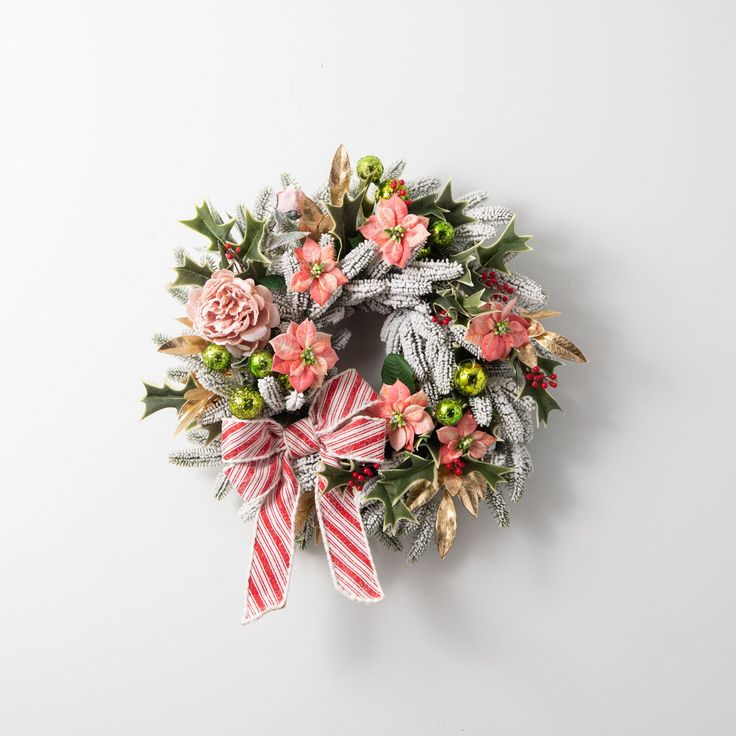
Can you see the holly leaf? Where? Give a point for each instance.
(208, 225)
(395, 367)
(164, 397)
(394, 484)
(273, 281)
(251, 243)
(493, 474)
(345, 218)
(427, 207)
(494, 256)
(336, 477)
(453, 211)
(465, 258)
(191, 273)
(542, 398)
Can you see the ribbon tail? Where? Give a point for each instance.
(346, 544)
(273, 549)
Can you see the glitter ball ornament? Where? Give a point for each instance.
(216, 357)
(370, 168)
(470, 379)
(284, 381)
(425, 251)
(259, 363)
(246, 403)
(448, 412)
(442, 233)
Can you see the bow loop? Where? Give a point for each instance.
(249, 441)
(342, 397)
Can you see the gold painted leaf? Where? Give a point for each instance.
(303, 509)
(562, 347)
(527, 354)
(184, 345)
(185, 321)
(314, 221)
(535, 328)
(421, 493)
(189, 412)
(453, 483)
(541, 314)
(446, 525)
(469, 500)
(197, 394)
(339, 176)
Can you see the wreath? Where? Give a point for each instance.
(317, 454)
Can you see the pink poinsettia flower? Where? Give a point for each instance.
(303, 354)
(405, 414)
(318, 271)
(464, 437)
(395, 231)
(497, 330)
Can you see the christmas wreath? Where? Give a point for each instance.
(317, 454)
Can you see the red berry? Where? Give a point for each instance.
(457, 471)
(359, 487)
(228, 246)
(402, 192)
(229, 256)
(434, 319)
(355, 474)
(408, 202)
(553, 384)
(536, 369)
(368, 472)
(529, 376)
(237, 250)
(545, 384)
(376, 465)
(535, 384)
(401, 181)
(361, 477)
(393, 184)
(505, 298)
(553, 376)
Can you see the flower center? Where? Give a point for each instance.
(464, 443)
(308, 357)
(502, 327)
(317, 269)
(397, 420)
(397, 233)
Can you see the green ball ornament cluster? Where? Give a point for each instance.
(216, 357)
(370, 168)
(259, 363)
(448, 412)
(246, 403)
(470, 378)
(442, 233)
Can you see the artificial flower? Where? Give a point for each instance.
(290, 200)
(233, 312)
(405, 414)
(463, 438)
(395, 231)
(318, 271)
(303, 354)
(497, 329)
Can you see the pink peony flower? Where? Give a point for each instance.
(303, 354)
(290, 200)
(395, 231)
(498, 330)
(233, 312)
(404, 413)
(464, 437)
(318, 271)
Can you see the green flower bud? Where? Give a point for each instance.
(370, 168)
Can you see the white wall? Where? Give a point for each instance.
(608, 606)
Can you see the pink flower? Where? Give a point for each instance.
(404, 413)
(498, 330)
(395, 231)
(303, 354)
(318, 271)
(233, 312)
(464, 437)
(290, 200)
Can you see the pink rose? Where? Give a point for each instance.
(318, 271)
(464, 437)
(233, 312)
(497, 330)
(395, 231)
(405, 414)
(289, 200)
(303, 354)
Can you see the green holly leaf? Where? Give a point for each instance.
(492, 473)
(453, 211)
(164, 397)
(251, 243)
(273, 281)
(466, 258)
(395, 367)
(207, 224)
(336, 477)
(427, 206)
(345, 217)
(494, 256)
(394, 484)
(191, 273)
(542, 398)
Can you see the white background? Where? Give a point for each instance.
(608, 606)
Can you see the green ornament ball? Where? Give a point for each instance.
(283, 379)
(448, 412)
(425, 251)
(442, 233)
(470, 379)
(246, 403)
(370, 168)
(216, 357)
(259, 363)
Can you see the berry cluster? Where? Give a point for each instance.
(456, 466)
(441, 318)
(489, 279)
(362, 474)
(539, 379)
(231, 250)
(395, 186)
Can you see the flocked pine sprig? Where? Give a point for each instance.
(197, 457)
(270, 389)
(497, 503)
(426, 518)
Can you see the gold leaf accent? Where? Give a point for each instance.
(562, 347)
(304, 507)
(453, 483)
(446, 525)
(527, 354)
(197, 394)
(339, 176)
(317, 531)
(185, 321)
(535, 328)
(421, 493)
(184, 345)
(473, 492)
(314, 221)
(197, 400)
(541, 314)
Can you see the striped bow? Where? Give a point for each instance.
(258, 457)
